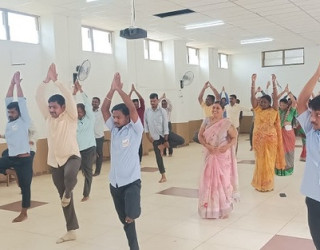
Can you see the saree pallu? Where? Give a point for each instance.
(219, 178)
(289, 143)
(268, 148)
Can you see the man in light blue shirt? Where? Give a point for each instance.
(17, 138)
(309, 120)
(85, 138)
(126, 134)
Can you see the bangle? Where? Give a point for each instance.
(108, 98)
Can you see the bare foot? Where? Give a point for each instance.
(225, 217)
(85, 198)
(21, 217)
(163, 179)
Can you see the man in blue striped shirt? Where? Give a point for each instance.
(18, 143)
(126, 134)
(309, 119)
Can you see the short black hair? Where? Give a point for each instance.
(14, 105)
(81, 106)
(284, 100)
(97, 98)
(315, 103)
(153, 96)
(267, 97)
(58, 99)
(135, 100)
(211, 97)
(121, 107)
(233, 96)
(238, 101)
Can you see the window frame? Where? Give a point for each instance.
(219, 60)
(283, 58)
(5, 21)
(146, 50)
(197, 52)
(91, 37)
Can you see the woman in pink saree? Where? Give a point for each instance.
(219, 180)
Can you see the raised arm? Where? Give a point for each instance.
(275, 103)
(293, 100)
(200, 97)
(117, 85)
(307, 91)
(40, 92)
(216, 93)
(86, 101)
(286, 90)
(254, 101)
(105, 107)
(13, 82)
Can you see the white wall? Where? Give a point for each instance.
(61, 43)
(244, 65)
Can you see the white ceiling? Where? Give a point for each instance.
(291, 23)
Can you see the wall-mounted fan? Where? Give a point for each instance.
(83, 71)
(187, 79)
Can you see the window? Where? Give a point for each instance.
(96, 40)
(19, 27)
(152, 50)
(223, 61)
(3, 33)
(193, 56)
(283, 57)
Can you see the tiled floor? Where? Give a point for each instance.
(169, 219)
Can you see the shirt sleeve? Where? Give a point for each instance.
(142, 105)
(169, 105)
(304, 120)
(87, 104)
(137, 126)
(146, 126)
(71, 107)
(109, 123)
(165, 122)
(24, 110)
(41, 101)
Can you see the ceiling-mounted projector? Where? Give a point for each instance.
(133, 33)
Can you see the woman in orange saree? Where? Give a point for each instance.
(219, 179)
(267, 139)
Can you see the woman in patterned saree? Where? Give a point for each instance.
(287, 114)
(219, 179)
(267, 139)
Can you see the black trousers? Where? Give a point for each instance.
(99, 154)
(126, 200)
(87, 159)
(157, 152)
(174, 140)
(23, 168)
(314, 220)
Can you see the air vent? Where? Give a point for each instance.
(174, 13)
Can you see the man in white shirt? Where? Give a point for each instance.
(98, 133)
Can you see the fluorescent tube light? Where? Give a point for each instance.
(203, 25)
(89, 1)
(257, 40)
